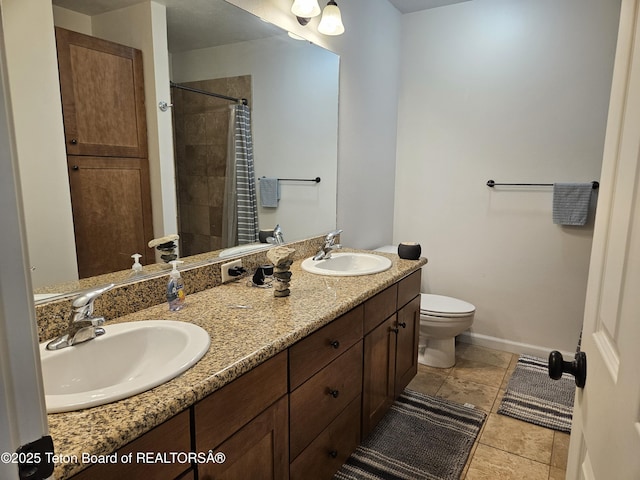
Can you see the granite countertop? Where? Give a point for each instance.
(241, 339)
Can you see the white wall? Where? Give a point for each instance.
(37, 117)
(369, 74)
(515, 92)
(289, 79)
(23, 416)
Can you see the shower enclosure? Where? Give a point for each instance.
(215, 180)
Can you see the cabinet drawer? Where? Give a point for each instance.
(223, 412)
(170, 436)
(409, 288)
(377, 309)
(318, 401)
(311, 354)
(328, 452)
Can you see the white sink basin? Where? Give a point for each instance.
(242, 249)
(128, 359)
(347, 264)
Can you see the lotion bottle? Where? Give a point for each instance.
(136, 268)
(175, 288)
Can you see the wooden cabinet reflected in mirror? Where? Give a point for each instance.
(102, 92)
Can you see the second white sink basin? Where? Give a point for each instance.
(242, 249)
(128, 359)
(347, 264)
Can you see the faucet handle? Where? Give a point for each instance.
(335, 233)
(87, 297)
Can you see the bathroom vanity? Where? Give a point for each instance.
(288, 387)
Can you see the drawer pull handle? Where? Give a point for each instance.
(333, 453)
(335, 344)
(334, 393)
(402, 324)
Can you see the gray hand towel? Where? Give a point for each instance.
(571, 203)
(269, 192)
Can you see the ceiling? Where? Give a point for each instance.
(191, 24)
(410, 6)
(194, 24)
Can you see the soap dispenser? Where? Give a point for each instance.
(175, 288)
(136, 268)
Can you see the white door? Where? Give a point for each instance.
(605, 437)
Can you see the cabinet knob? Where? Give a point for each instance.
(334, 393)
(402, 324)
(333, 453)
(75, 167)
(335, 344)
(74, 141)
(395, 330)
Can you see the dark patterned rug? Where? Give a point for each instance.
(535, 398)
(420, 437)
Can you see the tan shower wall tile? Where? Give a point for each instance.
(490, 463)
(199, 219)
(194, 190)
(195, 129)
(216, 191)
(195, 160)
(522, 438)
(463, 391)
(478, 372)
(217, 126)
(215, 227)
(217, 160)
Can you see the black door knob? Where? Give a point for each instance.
(577, 368)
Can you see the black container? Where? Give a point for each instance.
(409, 250)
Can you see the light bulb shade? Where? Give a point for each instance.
(331, 22)
(305, 8)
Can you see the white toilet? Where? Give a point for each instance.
(441, 319)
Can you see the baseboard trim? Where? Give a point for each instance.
(509, 345)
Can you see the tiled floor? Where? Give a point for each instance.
(506, 448)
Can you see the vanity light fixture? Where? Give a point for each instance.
(331, 21)
(305, 10)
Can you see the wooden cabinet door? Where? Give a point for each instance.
(111, 205)
(379, 373)
(102, 90)
(408, 328)
(170, 437)
(258, 450)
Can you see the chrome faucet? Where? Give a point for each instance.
(83, 326)
(277, 238)
(329, 246)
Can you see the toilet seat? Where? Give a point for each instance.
(445, 307)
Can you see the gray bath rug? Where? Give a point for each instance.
(420, 437)
(535, 398)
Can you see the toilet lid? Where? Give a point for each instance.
(440, 304)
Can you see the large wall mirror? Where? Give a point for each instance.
(292, 89)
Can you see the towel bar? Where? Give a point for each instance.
(316, 180)
(492, 183)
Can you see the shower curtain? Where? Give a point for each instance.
(240, 192)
